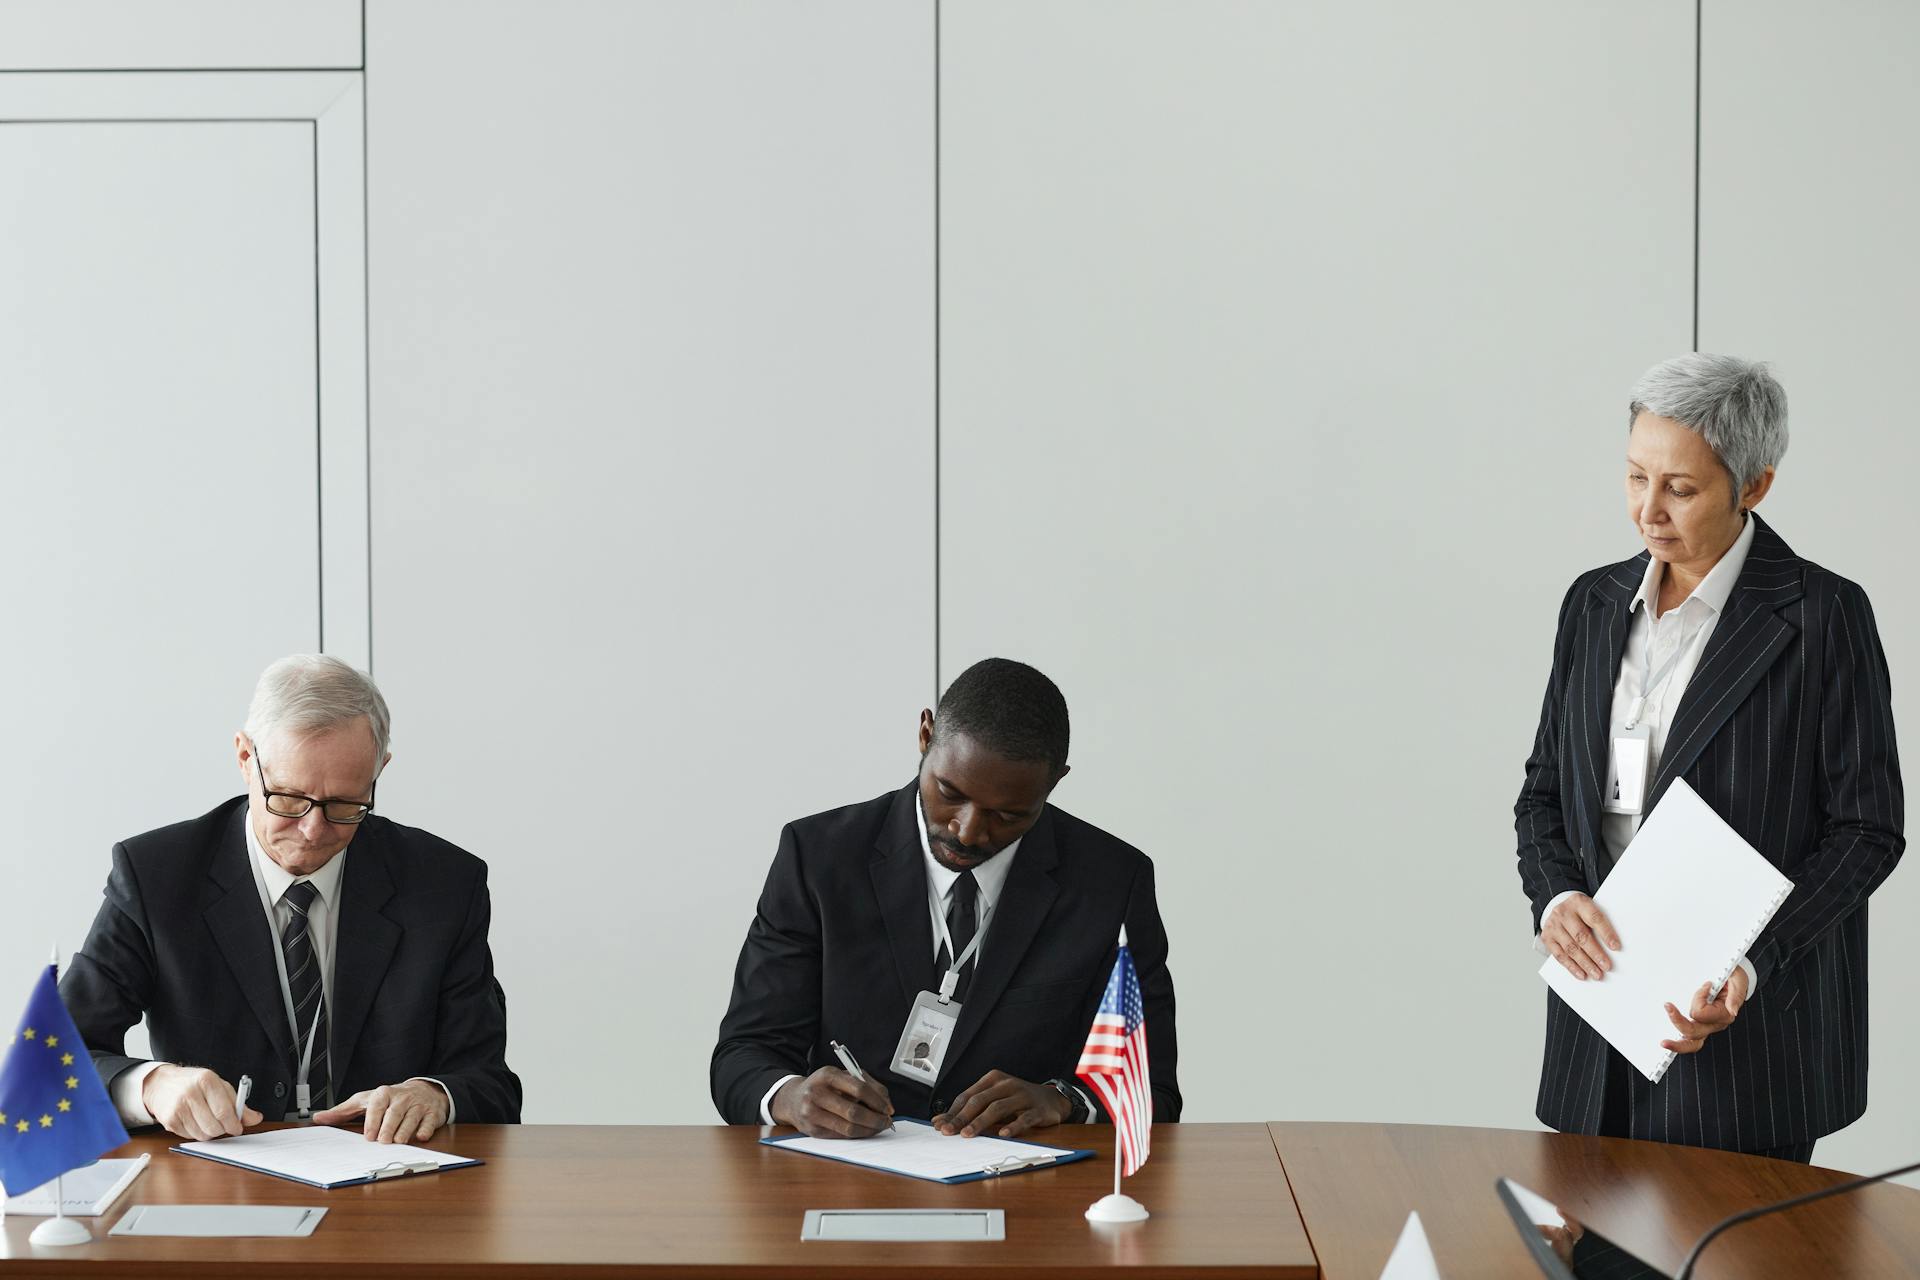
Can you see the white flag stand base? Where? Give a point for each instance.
(61, 1231)
(1116, 1208)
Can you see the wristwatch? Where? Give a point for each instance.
(1077, 1110)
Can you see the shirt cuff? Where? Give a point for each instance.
(125, 1092)
(1553, 902)
(1753, 979)
(766, 1103)
(443, 1089)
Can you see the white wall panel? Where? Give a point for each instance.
(113, 35)
(652, 480)
(1809, 199)
(1285, 359)
(158, 484)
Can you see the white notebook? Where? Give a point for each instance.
(322, 1156)
(88, 1191)
(1687, 898)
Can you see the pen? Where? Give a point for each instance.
(240, 1099)
(846, 1060)
(845, 1055)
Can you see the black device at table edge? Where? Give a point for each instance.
(1603, 1257)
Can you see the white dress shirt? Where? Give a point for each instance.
(990, 876)
(1678, 636)
(271, 881)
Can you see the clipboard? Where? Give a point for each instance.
(915, 1149)
(323, 1157)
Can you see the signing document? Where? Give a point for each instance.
(322, 1157)
(918, 1150)
(1688, 897)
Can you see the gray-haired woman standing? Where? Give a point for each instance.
(1719, 656)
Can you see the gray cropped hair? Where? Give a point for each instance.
(311, 692)
(1735, 405)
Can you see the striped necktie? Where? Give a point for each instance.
(303, 984)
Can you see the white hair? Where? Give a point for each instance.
(312, 692)
(1736, 406)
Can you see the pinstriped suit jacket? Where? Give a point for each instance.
(1786, 730)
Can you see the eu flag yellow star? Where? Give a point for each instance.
(28, 1033)
(66, 1104)
(66, 1059)
(46, 1122)
(22, 1126)
(3, 1119)
(51, 1041)
(73, 1082)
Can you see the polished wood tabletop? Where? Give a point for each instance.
(610, 1200)
(1355, 1184)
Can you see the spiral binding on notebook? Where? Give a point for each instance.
(1746, 946)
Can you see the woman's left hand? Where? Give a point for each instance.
(1708, 1016)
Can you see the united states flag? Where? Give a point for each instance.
(1114, 1063)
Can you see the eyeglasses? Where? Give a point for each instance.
(291, 804)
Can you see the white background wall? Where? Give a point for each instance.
(1283, 360)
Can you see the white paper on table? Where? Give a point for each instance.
(917, 1149)
(1412, 1257)
(1687, 898)
(316, 1154)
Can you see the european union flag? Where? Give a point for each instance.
(54, 1112)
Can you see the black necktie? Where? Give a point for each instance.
(962, 917)
(303, 983)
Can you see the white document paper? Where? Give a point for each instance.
(319, 1155)
(921, 1151)
(1687, 898)
(89, 1191)
(207, 1220)
(1412, 1257)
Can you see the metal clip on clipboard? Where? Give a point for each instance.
(1013, 1164)
(401, 1168)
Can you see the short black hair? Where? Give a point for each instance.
(1009, 708)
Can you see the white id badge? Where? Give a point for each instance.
(1627, 771)
(924, 1040)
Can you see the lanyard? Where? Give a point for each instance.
(303, 1093)
(1649, 680)
(950, 980)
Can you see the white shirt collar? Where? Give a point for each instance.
(277, 879)
(990, 875)
(1714, 589)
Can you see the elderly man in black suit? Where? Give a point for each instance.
(1719, 656)
(338, 959)
(966, 883)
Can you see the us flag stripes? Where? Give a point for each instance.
(1114, 1063)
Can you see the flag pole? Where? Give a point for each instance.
(60, 1229)
(1116, 1163)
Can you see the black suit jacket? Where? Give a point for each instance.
(183, 940)
(1786, 730)
(842, 943)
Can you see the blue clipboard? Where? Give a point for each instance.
(397, 1169)
(1045, 1157)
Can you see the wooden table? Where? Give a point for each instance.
(594, 1201)
(1355, 1183)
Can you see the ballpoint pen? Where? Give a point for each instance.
(240, 1099)
(845, 1055)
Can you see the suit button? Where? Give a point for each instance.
(279, 1088)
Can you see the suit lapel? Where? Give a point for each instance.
(900, 885)
(239, 926)
(1603, 633)
(364, 943)
(1024, 902)
(1745, 642)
